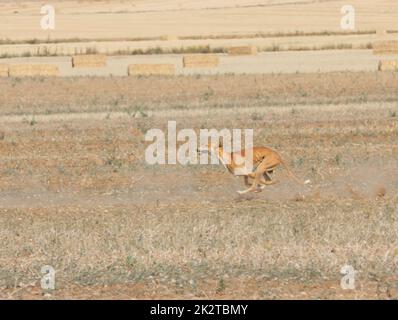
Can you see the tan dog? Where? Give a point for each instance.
(264, 161)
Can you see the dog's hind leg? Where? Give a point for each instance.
(256, 182)
(259, 176)
(267, 179)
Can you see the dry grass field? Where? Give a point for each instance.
(154, 26)
(262, 63)
(143, 19)
(72, 196)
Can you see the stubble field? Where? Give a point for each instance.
(77, 194)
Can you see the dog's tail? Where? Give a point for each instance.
(292, 175)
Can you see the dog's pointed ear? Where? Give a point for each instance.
(220, 144)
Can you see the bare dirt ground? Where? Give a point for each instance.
(263, 63)
(71, 193)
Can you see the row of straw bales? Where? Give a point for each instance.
(100, 61)
(50, 70)
(188, 61)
